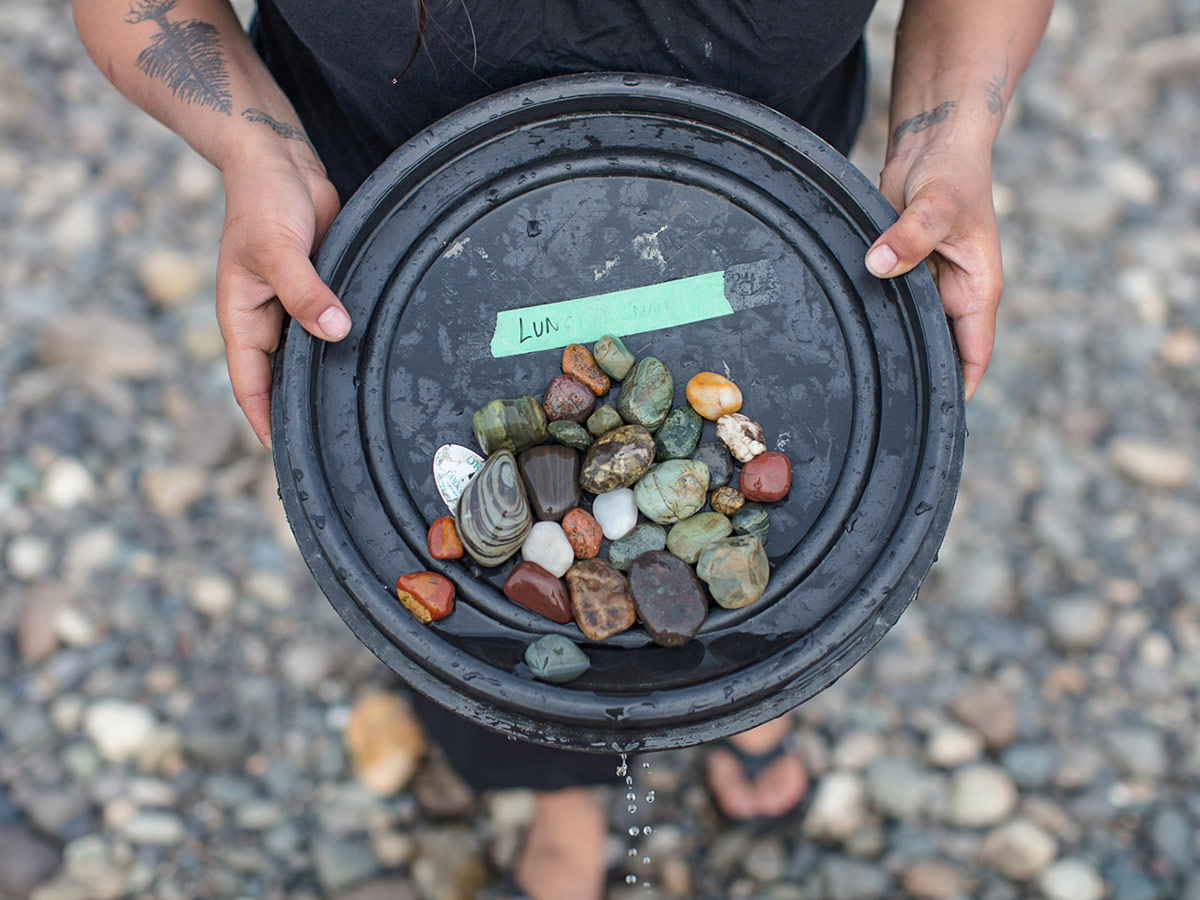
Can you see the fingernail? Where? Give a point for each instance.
(881, 260)
(335, 323)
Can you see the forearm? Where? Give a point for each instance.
(957, 63)
(190, 65)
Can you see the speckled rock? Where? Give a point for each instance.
(726, 500)
(678, 435)
(672, 491)
(584, 532)
(645, 395)
(618, 459)
(600, 598)
(570, 434)
(642, 539)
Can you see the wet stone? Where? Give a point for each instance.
(547, 545)
(715, 455)
(551, 476)
(568, 398)
(712, 395)
(767, 477)
(510, 425)
(645, 395)
(556, 659)
(584, 533)
(578, 362)
(678, 435)
(672, 491)
(604, 420)
(538, 591)
(616, 511)
(570, 434)
(442, 540)
(613, 356)
(618, 459)
(743, 437)
(689, 538)
(427, 595)
(726, 500)
(642, 539)
(668, 596)
(600, 599)
(752, 519)
(735, 570)
(493, 512)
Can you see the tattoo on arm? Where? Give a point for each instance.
(283, 129)
(996, 86)
(923, 121)
(186, 54)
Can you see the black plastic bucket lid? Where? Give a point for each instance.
(583, 186)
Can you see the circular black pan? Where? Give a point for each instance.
(581, 186)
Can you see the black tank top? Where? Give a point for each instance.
(343, 64)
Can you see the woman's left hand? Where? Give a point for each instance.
(944, 197)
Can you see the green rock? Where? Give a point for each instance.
(556, 659)
(644, 538)
(672, 491)
(613, 356)
(570, 433)
(617, 459)
(753, 518)
(735, 569)
(604, 420)
(645, 395)
(679, 433)
(689, 538)
(513, 425)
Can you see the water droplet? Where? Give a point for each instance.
(395, 81)
(645, 860)
(632, 808)
(645, 884)
(645, 765)
(533, 228)
(633, 851)
(631, 796)
(646, 830)
(650, 796)
(634, 831)
(624, 766)
(629, 780)
(631, 879)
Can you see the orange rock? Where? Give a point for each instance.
(384, 742)
(713, 395)
(578, 362)
(583, 532)
(443, 539)
(427, 595)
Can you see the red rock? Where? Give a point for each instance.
(578, 362)
(583, 532)
(568, 398)
(767, 477)
(537, 590)
(427, 595)
(443, 539)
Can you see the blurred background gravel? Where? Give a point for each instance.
(175, 693)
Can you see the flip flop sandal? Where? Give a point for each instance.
(753, 765)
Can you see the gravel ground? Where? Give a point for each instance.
(175, 692)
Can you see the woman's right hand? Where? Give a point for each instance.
(278, 206)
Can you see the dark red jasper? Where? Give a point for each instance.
(568, 398)
(767, 477)
(537, 590)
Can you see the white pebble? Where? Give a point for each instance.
(119, 728)
(212, 595)
(1071, 879)
(547, 545)
(616, 511)
(743, 437)
(67, 483)
(28, 557)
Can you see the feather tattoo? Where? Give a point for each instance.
(185, 54)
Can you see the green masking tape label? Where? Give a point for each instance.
(632, 311)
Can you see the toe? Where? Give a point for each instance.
(781, 786)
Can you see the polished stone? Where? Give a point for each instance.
(538, 591)
(645, 395)
(584, 533)
(567, 398)
(715, 455)
(547, 545)
(726, 500)
(556, 659)
(600, 598)
(752, 519)
(642, 539)
(767, 477)
(613, 356)
(509, 425)
(736, 570)
(616, 511)
(672, 490)
(689, 538)
(603, 420)
(427, 595)
(442, 540)
(493, 512)
(712, 395)
(743, 437)
(617, 459)
(668, 597)
(551, 476)
(578, 362)
(570, 434)
(679, 434)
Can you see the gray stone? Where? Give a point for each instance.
(1019, 849)
(25, 861)
(1077, 623)
(1031, 765)
(897, 787)
(1138, 752)
(1071, 879)
(852, 880)
(342, 862)
(981, 795)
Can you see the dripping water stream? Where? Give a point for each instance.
(635, 831)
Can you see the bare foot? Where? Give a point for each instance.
(774, 791)
(564, 850)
